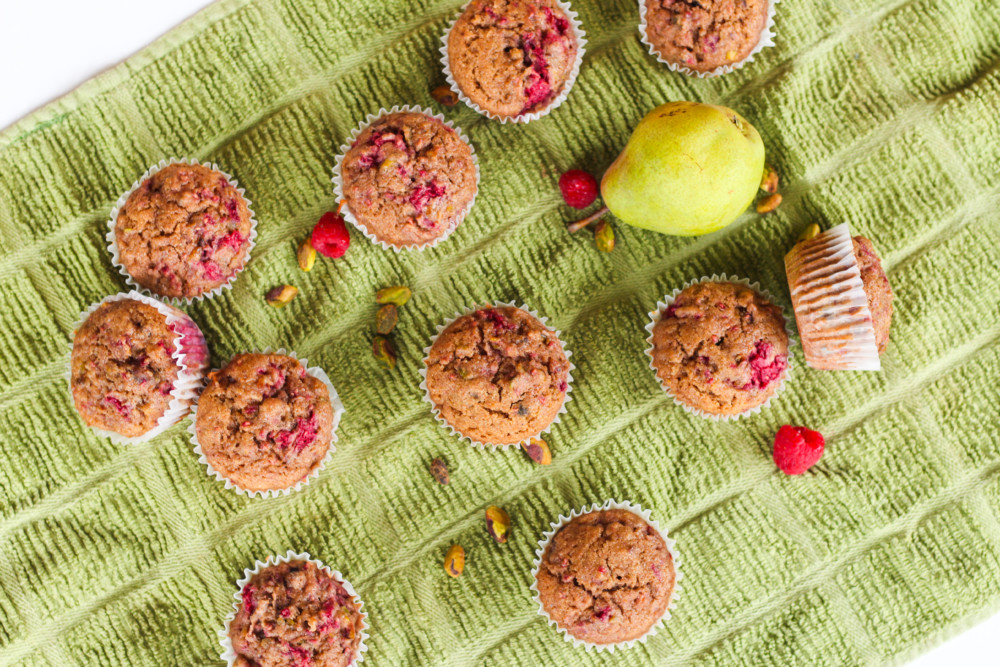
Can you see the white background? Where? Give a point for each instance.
(47, 47)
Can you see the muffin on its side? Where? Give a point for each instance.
(497, 375)
(263, 422)
(706, 35)
(720, 348)
(605, 577)
(408, 179)
(122, 368)
(184, 231)
(294, 613)
(512, 57)
(842, 300)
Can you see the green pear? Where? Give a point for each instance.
(688, 169)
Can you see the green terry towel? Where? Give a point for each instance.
(882, 113)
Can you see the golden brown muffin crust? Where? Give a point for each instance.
(877, 289)
(705, 34)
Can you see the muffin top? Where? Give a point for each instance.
(409, 179)
(512, 57)
(877, 289)
(263, 422)
(295, 614)
(184, 231)
(606, 577)
(707, 34)
(721, 348)
(123, 369)
(497, 375)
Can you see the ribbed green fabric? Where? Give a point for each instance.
(880, 113)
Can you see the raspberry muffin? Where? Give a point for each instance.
(125, 367)
(263, 422)
(497, 375)
(606, 576)
(705, 35)
(513, 57)
(296, 613)
(183, 232)
(408, 179)
(720, 348)
(842, 300)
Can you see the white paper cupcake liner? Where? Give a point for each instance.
(437, 413)
(830, 304)
(657, 314)
(338, 177)
(190, 353)
(581, 39)
(229, 654)
(338, 412)
(766, 40)
(113, 241)
(607, 505)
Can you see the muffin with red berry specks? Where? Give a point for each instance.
(265, 423)
(135, 367)
(706, 38)
(514, 60)
(720, 348)
(407, 179)
(292, 611)
(184, 231)
(497, 375)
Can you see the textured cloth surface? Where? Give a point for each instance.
(881, 113)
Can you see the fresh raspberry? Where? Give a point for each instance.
(796, 449)
(330, 237)
(579, 189)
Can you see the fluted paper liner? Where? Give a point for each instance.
(656, 315)
(190, 353)
(766, 40)
(581, 39)
(229, 654)
(596, 507)
(444, 422)
(113, 241)
(830, 304)
(338, 412)
(338, 176)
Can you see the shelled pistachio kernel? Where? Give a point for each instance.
(306, 256)
(397, 294)
(439, 470)
(768, 204)
(810, 232)
(497, 523)
(769, 181)
(384, 352)
(281, 296)
(538, 451)
(604, 236)
(454, 561)
(386, 319)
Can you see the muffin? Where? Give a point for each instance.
(606, 576)
(264, 423)
(706, 35)
(510, 58)
(497, 375)
(125, 368)
(296, 613)
(720, 348)
(408, 179)
(183, 232)
(842, 300)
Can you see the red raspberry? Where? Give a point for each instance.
(796, 449)
(330, 237)
(579, 188)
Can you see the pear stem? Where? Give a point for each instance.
(580, 224)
